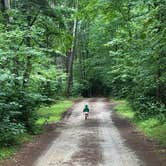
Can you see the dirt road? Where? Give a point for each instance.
(104, 139)
(91, 142)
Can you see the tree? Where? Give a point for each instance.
(4, 4)
(125, 52)
(72, 53)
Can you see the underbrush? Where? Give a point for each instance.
(153, 127)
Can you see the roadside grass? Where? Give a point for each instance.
(124, 109)
(46, 114)
(152, 127)
(6, 152)
(53, 113)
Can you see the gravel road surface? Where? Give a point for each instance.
(92, 142)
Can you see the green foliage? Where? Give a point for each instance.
(35, 36)
(121, 51)
(6, 152)
(146, 108)
(9, 132)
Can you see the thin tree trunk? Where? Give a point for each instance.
(28, 68)
(7, 4)
(68, 54)
(72, 56)
(80, 65)
(158, 59)
(71, 62)
(158, 87)
(27, 72)
(4, 4)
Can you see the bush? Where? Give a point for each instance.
(10, 131)
(147, 107)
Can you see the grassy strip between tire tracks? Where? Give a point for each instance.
(47, 114)
(151, 127)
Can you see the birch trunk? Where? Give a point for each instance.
(7, 4)
(4, 4)
(72, 56)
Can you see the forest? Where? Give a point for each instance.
(53, 49)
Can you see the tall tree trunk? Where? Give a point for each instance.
(159, 56)
(158, 83)
(28, 67)
(26, 75)
(67, 61)
(27, 71)
(72, 56)
(71, 61)
(7, 4)
(4, 4)
(80, 65)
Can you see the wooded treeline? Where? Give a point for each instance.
(53, 48)
(122, 47)
(35, 37)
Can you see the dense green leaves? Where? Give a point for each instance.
(124, 53)
(34, 40)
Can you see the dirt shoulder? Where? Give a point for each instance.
(149, 151)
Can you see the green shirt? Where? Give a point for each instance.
(86, 109)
